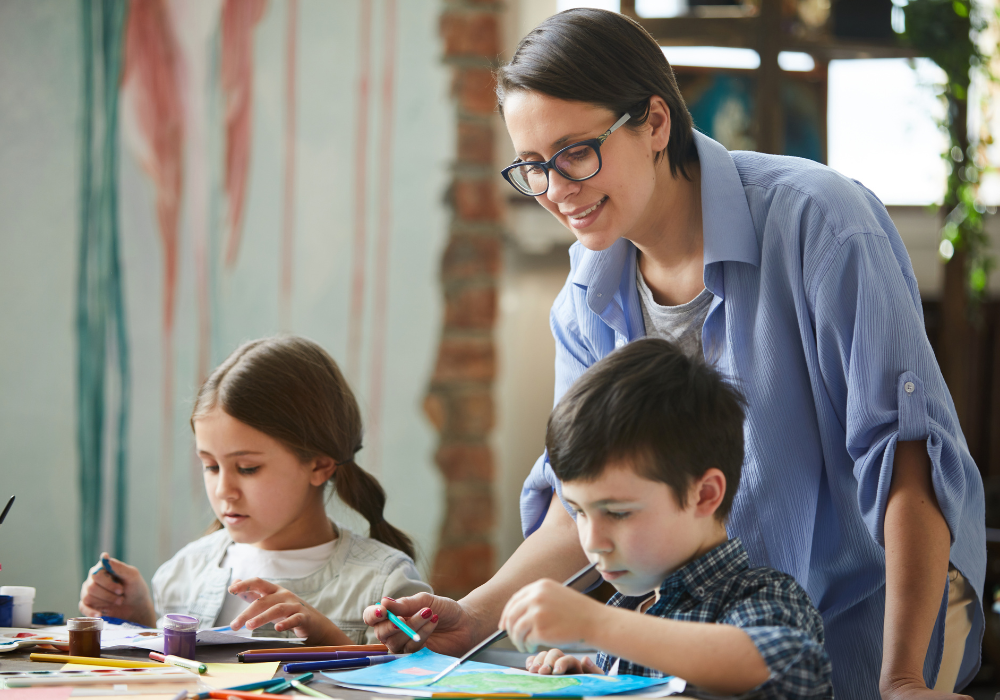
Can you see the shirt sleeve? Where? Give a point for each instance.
(572, 359)
(881, 374)
(788, 633)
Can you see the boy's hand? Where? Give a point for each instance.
(556, 663)
(272, 603)
(545, 612)
(128, 600)
(448, 620)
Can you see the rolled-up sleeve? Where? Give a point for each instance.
(877, 363)
(788, 633)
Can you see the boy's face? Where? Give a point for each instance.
(634, 529)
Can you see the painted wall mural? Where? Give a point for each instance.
(249, 167)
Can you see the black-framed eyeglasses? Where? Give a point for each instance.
(577, 162)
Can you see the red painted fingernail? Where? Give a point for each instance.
(426, 613)
(378, 613)
(434, 619)
(385, 597)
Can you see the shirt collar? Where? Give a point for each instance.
(728, 230)
(704, 573)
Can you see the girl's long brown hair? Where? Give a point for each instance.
(291, 389)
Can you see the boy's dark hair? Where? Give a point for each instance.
(605, 59)
(672, 417)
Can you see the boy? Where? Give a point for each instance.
(649, 445)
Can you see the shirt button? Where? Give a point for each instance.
(909, 387)
(620, 342)
(599, 294)
(699, 591)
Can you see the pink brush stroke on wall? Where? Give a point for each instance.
(382, 240)
(359, 259)
(239, 18)
(288, 214)
(151, 91)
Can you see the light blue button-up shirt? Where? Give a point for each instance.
(817, 319)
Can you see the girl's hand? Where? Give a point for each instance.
(129, 600)
(272, 603)
(451, 625)
(556, 663)
(545, 612)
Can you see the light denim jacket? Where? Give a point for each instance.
(359, 572)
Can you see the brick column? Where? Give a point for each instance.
(460, 399)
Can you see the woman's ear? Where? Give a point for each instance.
(323, 469)
(709, 491)
(659, 123)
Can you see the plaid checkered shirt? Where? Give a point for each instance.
(768, 605)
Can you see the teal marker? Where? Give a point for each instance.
(394, 619)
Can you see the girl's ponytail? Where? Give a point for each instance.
(362, 492)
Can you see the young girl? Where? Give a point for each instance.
(273, 425)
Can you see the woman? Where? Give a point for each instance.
(794, 281)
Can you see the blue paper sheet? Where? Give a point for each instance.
(414, 672)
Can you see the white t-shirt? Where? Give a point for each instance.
(248, 561)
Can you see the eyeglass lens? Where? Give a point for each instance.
(576, 163)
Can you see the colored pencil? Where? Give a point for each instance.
(257, 685)
(308, 650)
(339, 663)
(179, 661)
(243, 695)
(93, 661)
(314, 656)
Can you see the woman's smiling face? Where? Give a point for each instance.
(613, 203)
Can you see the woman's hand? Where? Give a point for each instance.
(554, 662)
(128, 600)
(451, 625)
(545, 612)
(272, 603)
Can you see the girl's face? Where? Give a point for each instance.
(613, 204)
(258, 488)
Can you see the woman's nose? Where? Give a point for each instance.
(560, 188)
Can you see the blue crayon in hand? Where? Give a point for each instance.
(111, 572)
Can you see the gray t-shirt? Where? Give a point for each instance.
(679, 324)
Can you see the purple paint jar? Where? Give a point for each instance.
(179, 632)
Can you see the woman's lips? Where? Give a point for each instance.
(234, 518)
(594, 211)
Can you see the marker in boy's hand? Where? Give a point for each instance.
(272, 603)
(128, 598)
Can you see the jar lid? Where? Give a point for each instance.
(18, 591)
(84, 624)
(180, 623)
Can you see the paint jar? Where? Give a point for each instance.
(24, 599)
(179, 633)
(85, 636)
(6, 611)
(47, 619)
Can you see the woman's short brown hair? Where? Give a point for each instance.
(605, 59)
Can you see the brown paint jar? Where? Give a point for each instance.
(85, 636)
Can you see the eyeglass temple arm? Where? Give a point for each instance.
(624, 118)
